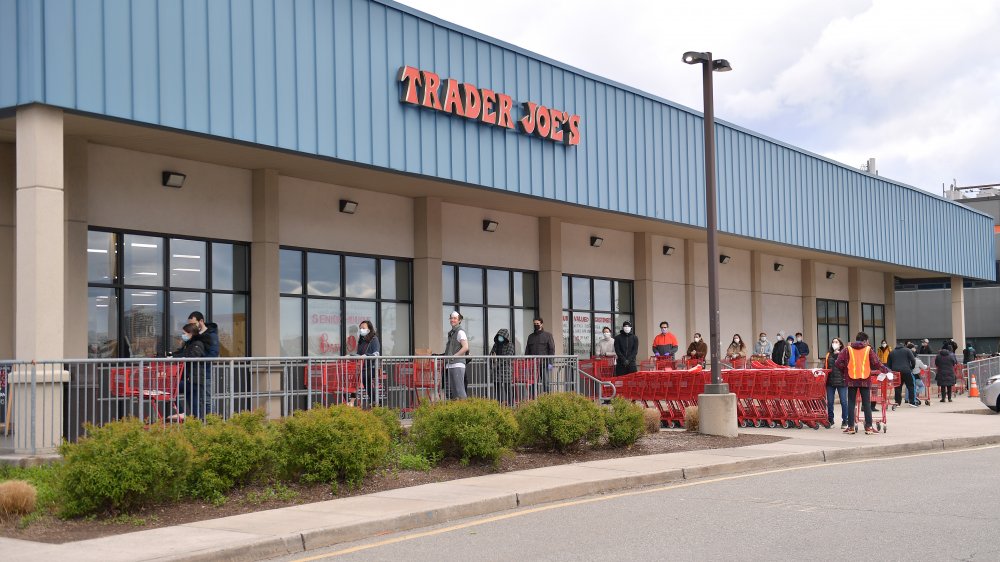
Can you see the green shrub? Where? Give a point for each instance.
(390, 419)
(45, 479)
(330, 444)
(559, 422)
(123, 465)
(473, 429)
(625, 422)
(228, 453)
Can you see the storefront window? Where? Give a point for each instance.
(873, 322)
(592, 304)
(210, 277)
(489, 299)
(831, 322)
(340, 293)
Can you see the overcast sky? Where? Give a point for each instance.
(912, 83)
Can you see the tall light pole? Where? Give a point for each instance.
(708, 66)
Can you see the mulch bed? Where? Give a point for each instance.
(51, 529)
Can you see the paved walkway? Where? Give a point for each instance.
(289, 530)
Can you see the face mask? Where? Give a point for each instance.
(607, 335)
(697, 339)
(186, 336)
(763, 339)
(798, 339)
(627, 329)
(736, 340)
(363, 331)
(836, 347)
(499, 339)
(663, 330)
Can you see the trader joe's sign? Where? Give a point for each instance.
(427, 89)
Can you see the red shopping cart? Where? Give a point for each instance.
(338, 379)
(155, 383)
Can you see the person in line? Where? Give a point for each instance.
(883, 352)
(945, 363)
(209, 333)
(919, 388)
(802, 351)
(698, 350)
(925, 347)
(969, 353)
(626, 349)
(503, 346)
(780, 351)
(736, 350)
(665, 343)
(835, 383)
(859, 361)
(193, 346)
(369, 346)
(953, 345)
(456, 345)
(793, 352)
(903, 361)
(606, 345)
(540, 342)
(762, 346)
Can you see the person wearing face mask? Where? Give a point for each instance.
(802, 351)
(540, 342)
(626, 349)
(883, 352)
(606, 345)
(793, 352)
(762, 346)
(665, 343)
(502, 368)
(369, 345)
(835, 383)
(780, 351)
(698, 350)
(736, 350)
(192, 347)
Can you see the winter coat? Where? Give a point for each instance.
(540, 343)
(606, 347)
(945, 363)
(736, 350)
(925, 350)
(211, 339)
(883, 354)
(698, 350)
(626, 348)
(968, 354)
(780, 352)
(836, 376)
(762, 347)
(502, 368)
(793, 353)
(802, 348)
(902, 361)
(191, 349)
(876, 366)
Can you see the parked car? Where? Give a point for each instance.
(990, 393)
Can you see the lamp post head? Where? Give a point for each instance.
(694, 57)
(721, 65)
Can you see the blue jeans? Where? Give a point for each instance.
(830, 392)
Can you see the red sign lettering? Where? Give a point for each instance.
(423, 88)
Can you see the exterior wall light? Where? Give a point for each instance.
(173, 179)
(723, 258)
(668, 250)
(490, 226)
(830, 275)
(348, 206)
(778, 266)
(596, 241)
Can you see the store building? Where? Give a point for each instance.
(291, 168)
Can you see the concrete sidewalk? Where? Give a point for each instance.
(289, 530)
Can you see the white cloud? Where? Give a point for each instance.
(913, 83)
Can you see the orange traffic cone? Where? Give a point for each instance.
(973, 388)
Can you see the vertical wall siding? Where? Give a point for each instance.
(319, 77)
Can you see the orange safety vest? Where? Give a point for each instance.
(859, 367)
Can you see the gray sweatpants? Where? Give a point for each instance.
(456, 382)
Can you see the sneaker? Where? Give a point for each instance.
(912, 405)
(870, 431)
(850, 430)
(843, 425)
(949, 400)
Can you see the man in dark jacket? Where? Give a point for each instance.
(969, 353)
(803, 351)
(626, 349)
(925, 348)
(903, 361)
(540, 342)
(780, 352)
(209, 334)
(945, 376)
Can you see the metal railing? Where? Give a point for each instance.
(983, 370)
(43, 403)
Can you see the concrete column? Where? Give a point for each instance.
(428, 332)
(756, 295)
(40, 250)
(816, 348)
(690, 296)
(550, 271)
(644, 320)
(958, 311)
(7, 204)
(890, 308)
(265, 274)
(854, 303)
(76, 172)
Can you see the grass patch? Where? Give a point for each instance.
(275, 492)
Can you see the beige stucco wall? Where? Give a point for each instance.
(125, 191)
(615, 258)
(732, 275)
(786, 282)
(513, 245)
(781, 312)
(310, 217)
(837, 288)
(7, 312)
(872, 288)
